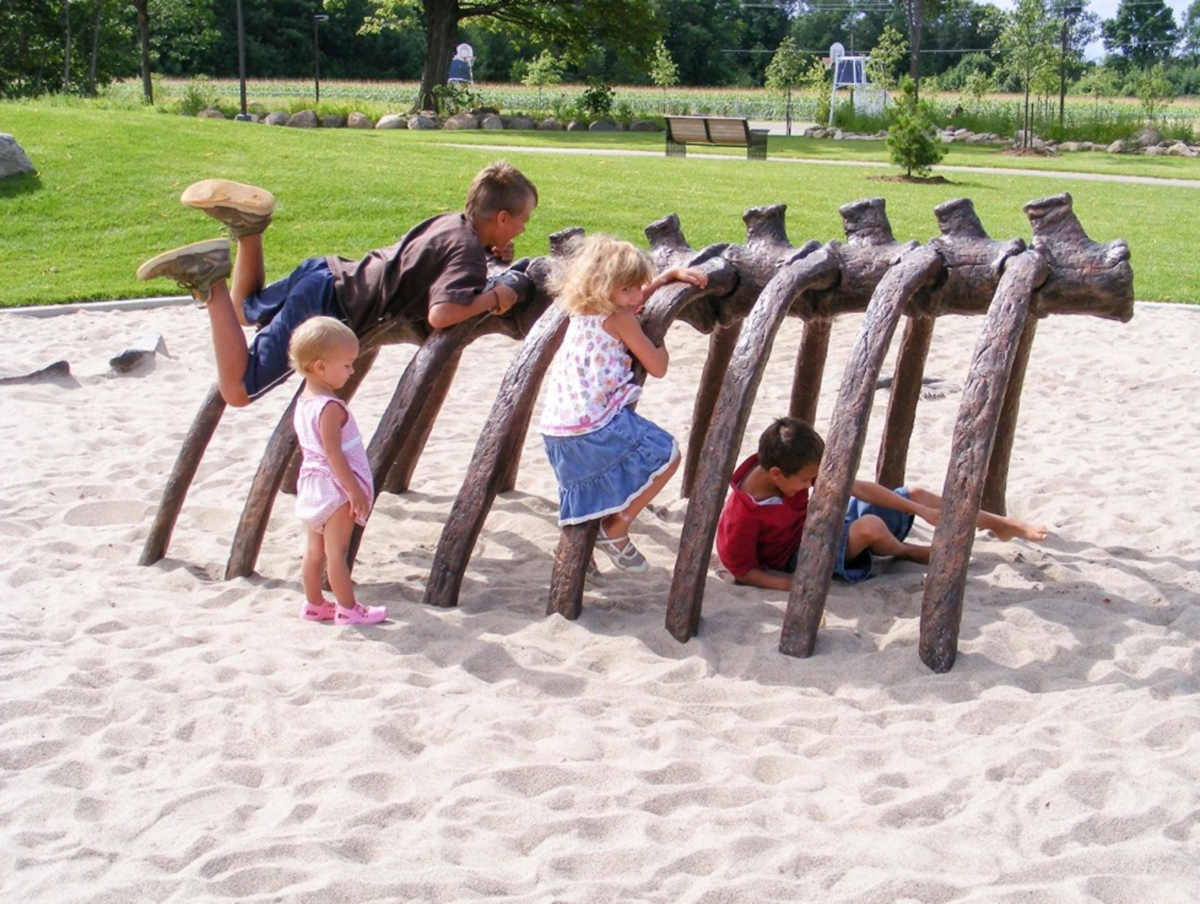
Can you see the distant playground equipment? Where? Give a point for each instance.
(461, 67)
(850, 71)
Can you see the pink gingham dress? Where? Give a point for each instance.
(318, 491)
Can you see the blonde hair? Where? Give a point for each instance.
(599, 266)
(315, 338)
(499, 186)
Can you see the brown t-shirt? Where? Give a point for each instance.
(440, 260)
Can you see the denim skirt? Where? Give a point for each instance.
(601, 472)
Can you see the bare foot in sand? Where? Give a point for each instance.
(1009, 528)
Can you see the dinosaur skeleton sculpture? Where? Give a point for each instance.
(751, 288)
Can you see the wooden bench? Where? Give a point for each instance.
(727, 131)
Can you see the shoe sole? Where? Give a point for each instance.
(146, 270)
(211, 193)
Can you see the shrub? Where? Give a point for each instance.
(911, 141)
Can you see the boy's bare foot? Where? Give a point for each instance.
(243, 209)
(1010, 528)
(194, 267)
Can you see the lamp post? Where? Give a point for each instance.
(317, 19)
(1068, 16)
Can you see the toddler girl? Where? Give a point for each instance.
(609, 461)
(334, 488)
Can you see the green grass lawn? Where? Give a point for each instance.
(106, 197)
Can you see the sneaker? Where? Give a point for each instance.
(243, 209)
(194, 267)
(359, 615)
(624, 555)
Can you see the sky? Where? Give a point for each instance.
(1107, 9)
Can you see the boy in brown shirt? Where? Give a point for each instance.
(436, 272)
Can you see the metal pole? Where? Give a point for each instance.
(316, 61)
(241, 29)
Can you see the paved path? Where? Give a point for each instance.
(994, 170)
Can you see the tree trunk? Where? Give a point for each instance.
(1025, 142)
(143, 17)
(91, 84)
(914, 15)
(66, 8)
(441, 28)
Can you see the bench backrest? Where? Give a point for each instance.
(709, 130)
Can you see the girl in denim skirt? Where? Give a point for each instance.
(609, 461)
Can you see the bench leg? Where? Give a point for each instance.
(675, 149)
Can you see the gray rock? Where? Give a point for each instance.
(276, 118)
(1070, 147)
(1179, 149)
(550, 125)
(13, 160)
(462, 121)
(819, 133)
(602, 125)
(1147, 138)
(644, 125)
(1154, 151)
(141, 349)
(421, 121)
(358, 120)
(392, 121)
(576, 126)
(1088, 146)
(492, 122)
(962, 134)
(210, 113)
(521, 123)
(1117, 147)
(333, 121)
(305, 119)
(946, 137)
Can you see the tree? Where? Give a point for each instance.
(578, 28)
(1189, 35)
(1142, 34)
(785, 72)
(911, 140)
(1154, 91)
(889, 49)
(1026, 48)
(663, 71)
(545, 70)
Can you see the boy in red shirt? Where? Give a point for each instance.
(759, 532)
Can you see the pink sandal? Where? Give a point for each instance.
(359, 615)
(323, 611)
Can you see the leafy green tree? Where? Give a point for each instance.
(1026, 49)
(1154, 91)
(911, 140)
(663, 71)
(1142, 34)
(629, 26)
(888, 51)
(786, 72)
(545, 70)
(1189, 34)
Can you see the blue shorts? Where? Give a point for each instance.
(898, 523)
(278, 309)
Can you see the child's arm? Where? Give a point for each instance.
(768, 580)
(496, 300)
(874, 493)
(677, 274)
(333, 418)
(624, 325)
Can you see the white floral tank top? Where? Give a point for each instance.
(590, 379)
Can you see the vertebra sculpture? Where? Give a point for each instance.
(751, 288)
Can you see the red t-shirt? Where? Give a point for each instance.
(753, 535)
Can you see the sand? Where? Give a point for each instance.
(169, 736)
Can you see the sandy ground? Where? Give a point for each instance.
(169, 736)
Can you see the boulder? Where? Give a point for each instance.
(576, 126)
(521, 123)
(13, 161)
(210, 113)
(1154, 151)
(421, 121)
(817, 133)
(391, 121)
(946, 137)
(247, 117)
(1147, 138)
(144, 348)
(1117, 147)
(1070, 147)
(333, 121)
(550, 125)
(1179, 149)
(644, 125)
(462, 121)
(276, 118)
(305, 119)
(492, 122)
(358, 120)
(962, 134)
(602, 125)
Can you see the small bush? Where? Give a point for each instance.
(911, 140)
